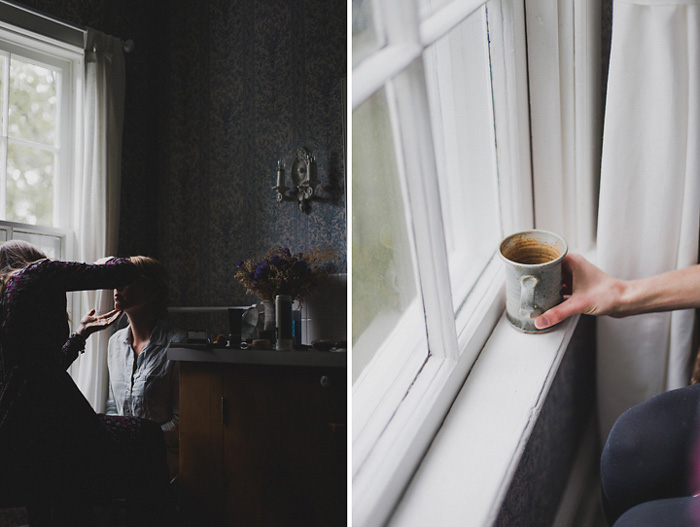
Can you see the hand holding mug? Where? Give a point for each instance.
(587, 290)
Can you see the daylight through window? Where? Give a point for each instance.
(39, 93)
(427, 194)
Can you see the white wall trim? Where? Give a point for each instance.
(511, 97)
(465, 475)
(563, 42)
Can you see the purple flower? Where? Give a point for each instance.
(281, 271)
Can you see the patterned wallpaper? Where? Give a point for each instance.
(247, 86)
(217, 92)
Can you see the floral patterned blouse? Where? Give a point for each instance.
(34, 325)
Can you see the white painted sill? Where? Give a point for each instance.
(464, 477)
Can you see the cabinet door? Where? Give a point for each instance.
(285, 446)
(201, 479)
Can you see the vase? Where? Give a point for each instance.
(268, 315)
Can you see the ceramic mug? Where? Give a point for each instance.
(533, 276)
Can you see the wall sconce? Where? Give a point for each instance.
(303, 179)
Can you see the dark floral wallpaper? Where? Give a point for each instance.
(248, 85)
(217, 92)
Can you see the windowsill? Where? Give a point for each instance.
(466, 473)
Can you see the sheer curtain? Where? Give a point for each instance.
(98, 184)
(650, 193)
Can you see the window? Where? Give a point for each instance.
(442, 169)
(55, 243)
(426, 200)
(29, 120)
(39, 98)
(385, 285)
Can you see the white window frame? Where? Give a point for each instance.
(389, 440)
(31, 35)
(10, 229)
(69, 60)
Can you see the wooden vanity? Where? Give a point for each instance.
(263, 437)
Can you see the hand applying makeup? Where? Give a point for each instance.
(90, 323)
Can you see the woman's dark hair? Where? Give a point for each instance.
(154, 279)
(15, 255)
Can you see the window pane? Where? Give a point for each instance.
(33, 102)
(364, 34)
(30, 193)
(48, 244)
(383, 275)
(459, 90)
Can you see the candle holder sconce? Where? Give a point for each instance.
(303, 179)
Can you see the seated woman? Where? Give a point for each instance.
(650, 466)
(55, 451)
(142, 381)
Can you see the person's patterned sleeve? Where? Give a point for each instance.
(71, 349)
(76, 276)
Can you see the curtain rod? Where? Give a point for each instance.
(49, 25)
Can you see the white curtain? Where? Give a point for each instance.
(98, 186)
(650, 193)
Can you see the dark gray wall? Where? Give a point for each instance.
(217, 91)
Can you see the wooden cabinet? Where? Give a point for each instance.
(262, 443)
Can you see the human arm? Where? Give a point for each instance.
(70, 350)
(112, 273)
(171, 428)
(89, 324)
(117, 374)
(591, 291)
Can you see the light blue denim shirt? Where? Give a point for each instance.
(150, 388)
